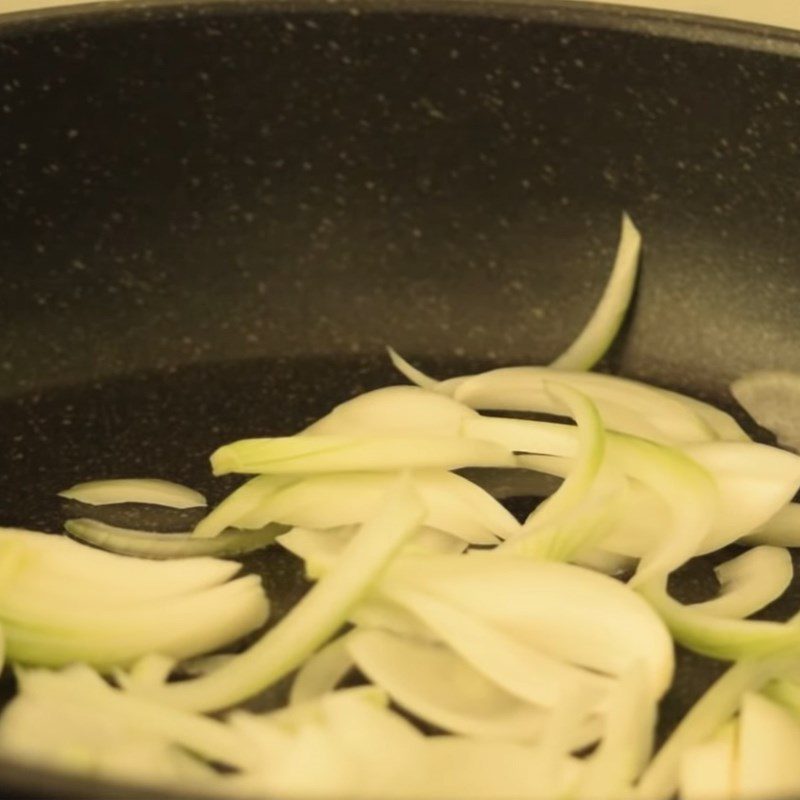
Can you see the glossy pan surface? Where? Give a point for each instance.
(214, 216)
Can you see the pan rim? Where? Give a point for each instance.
(693, 28)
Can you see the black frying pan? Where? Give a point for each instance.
(213, 216)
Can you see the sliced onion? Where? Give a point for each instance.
(323, 671)
(321, 549)
(237, 505)
(687, 490)
(519, 668)
(78, 688)
(395, 410)
(413, 374)
(320, 613)
(599, 332)
(453, 504)
(721, 637)
(152, 669)
(598, 622)
(433, 683)
(625, 405)
(771, 398)
(49, 565)
(135, 490)
(147, 544)
(753, 481)
(768, 750)
(627, 742)
(50, 612)
(68, 737)
(782, 529)
(707, 770)
(602, 327)
(749, 582)
(582, 511)
(590, 451)
(706, 717)
(304, 454)
(50, 635)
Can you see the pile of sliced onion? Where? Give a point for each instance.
(499, 657)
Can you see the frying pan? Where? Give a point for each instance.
(214, 216)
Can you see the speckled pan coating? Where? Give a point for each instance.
(212, 218)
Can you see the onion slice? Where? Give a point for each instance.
(322, 672)
(78, 688)
(598, 622)
(331, 500)
(660, 780)
(771, 398)
(749, 582)
(318, 615)
(432, 682)
(707, 770)
(147, 544)
(723, 637)
(306, 454)
(152, 491)
(782, 529)
(601, 329)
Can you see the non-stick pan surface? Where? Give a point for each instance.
(213, 217)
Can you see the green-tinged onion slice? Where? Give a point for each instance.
(584, 507)
(589, 456)
(721, 637)
(749, 582)
(602, 327)
(51, 615)
(306, 454)
(147, 544)
(625, 405)
(785, 690)
(53, 633)
(233, 510)
(599, 332)
(718, 705)
(320, 613)
(688, 491)
(135, 490)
